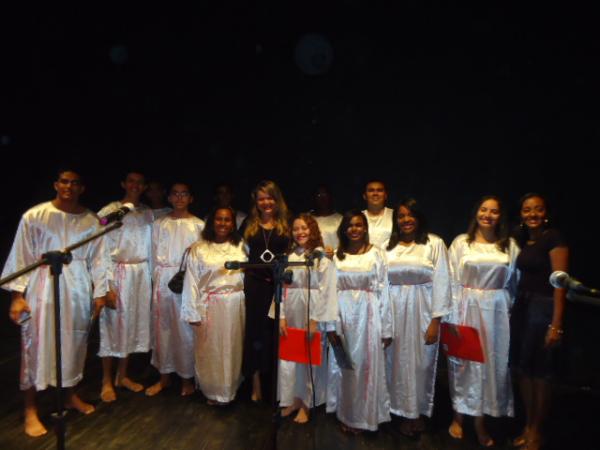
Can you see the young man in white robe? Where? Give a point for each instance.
(50, 226)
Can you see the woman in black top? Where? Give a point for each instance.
(537, 316)
(267, 235)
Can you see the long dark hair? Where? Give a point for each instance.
(501, 228)
(422, 225)
(341, 231)
(521, 233)
(208, 233)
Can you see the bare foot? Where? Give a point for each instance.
(288, 410)
(350, 430)
(155, 389)
(187, 388)
(521, 439)
(76, 403)
(302, 416)
(129, 384)
(108, 394)
(485, 440)
(455, 430)
(33, 426)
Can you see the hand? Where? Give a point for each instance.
(282, 327)
(111, 299)
(18, 306)
(432, 334)
(386, 342)
(553, 337)
(312, 328)
(99, 303)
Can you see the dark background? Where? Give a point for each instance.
(445, 103)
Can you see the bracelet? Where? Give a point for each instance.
(558, 330)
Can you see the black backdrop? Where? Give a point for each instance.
(443, 103)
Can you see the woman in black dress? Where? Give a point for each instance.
(537, 316)
(267, 235)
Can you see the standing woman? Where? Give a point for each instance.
(365, 322)
(537, 319)
(213, 299)
(482, 262)
(267, 235)
(420, 294)
(295, 386)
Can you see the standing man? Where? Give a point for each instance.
(380, 217)
(50, 226)
(126, 329)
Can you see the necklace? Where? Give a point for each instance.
(267, 256)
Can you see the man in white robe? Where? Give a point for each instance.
(379, 216)
(126, 329)
(50, 226)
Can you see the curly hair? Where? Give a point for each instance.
(314, 233)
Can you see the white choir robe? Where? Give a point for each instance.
(328, 225)
(294, 378)
(126, 329)
(420, 291)
(45, 228)
(172, 338)
(161, 212)
(214, 296)
(483, 284)
(380, 227)
(360, 397)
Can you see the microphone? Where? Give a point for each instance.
(117, 215)
(232, 265)
(315, 254)
(560, 279)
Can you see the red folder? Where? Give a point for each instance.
(462, 342)
(294, 347)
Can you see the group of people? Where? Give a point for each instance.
(381, 288)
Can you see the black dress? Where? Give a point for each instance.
(259, 290)
(534, 308)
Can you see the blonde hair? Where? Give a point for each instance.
(282, 213)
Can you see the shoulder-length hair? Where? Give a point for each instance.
(341, 231)
(421, 233)
(282, 213)
(314, 233)
(521, 233)
(501, 227)
(208, 233)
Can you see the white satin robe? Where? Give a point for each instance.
(380, 227)
(126, 329)
(45, 228)
(360, 397)
(420, 291)
(484, 281)
(214, 296)
(294, 378)
(172, 338)
(328, 226)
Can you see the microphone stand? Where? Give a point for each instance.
(280, 276)
(56, 259)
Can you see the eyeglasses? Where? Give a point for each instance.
(183, 194)
(66, 182)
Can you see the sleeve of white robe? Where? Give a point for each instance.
(22, 254)
(326, 310)
(98, 264)
(441, 295)
(454, 256)
(513, 280)
(192, 304)
(385, 305)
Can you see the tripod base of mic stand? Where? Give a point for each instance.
(58, 418)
